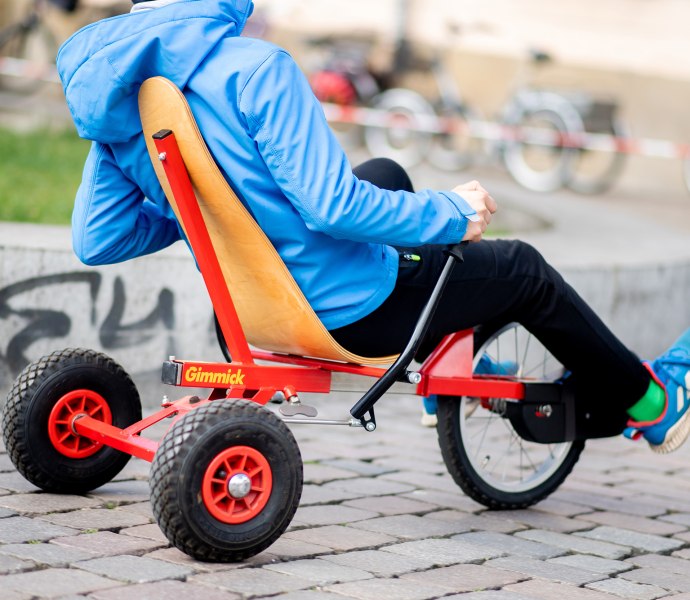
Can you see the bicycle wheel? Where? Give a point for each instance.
(593, 170)
(539, 124)
(455, 150)
(482, 451)
(401, 135)
(27, 56)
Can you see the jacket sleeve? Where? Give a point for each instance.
(112, 221)
(305, 159)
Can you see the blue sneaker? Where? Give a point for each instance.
(430, 404)
(485, 366)
(488, 366)
(672, 372)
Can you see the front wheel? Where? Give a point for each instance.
(483, 453)
(226, 481)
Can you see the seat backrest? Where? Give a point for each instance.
(272, 309)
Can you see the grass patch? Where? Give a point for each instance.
(39, 175)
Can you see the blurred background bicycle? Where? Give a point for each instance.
(537, 134)
(35, 28)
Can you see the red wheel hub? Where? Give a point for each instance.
(237, 485)
(62, 417)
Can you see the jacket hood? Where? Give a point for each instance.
(103, 65)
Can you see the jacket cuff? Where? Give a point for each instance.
(465, 213)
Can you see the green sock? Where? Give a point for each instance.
(651, 405)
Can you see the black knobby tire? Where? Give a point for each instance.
(26, 414)
(465, 465)
(180, 466)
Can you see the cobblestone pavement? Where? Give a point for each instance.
(380, 518)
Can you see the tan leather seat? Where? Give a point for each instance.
(274, 313)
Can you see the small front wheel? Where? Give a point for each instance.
(226, 481)
(483, 453)
(41, 407)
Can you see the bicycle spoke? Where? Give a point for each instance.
(500, 457)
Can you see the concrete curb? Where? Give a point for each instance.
(138, 312)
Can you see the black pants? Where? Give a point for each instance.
(500, 282)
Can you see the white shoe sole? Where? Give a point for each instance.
(428, 420)
(675, 436)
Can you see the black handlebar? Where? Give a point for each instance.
(398, 370)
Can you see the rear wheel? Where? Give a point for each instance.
(226, 481)
(37, 420)
(482, 451)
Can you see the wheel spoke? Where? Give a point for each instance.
(254, 472)
(243, 464)
(481, 442)
(497, 454)
(524, 355)
(95, 411)
(220, 496)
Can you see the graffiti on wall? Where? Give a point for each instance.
(29, 314)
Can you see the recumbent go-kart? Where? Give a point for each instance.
(226, 478)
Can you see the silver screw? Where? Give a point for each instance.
(414, 377)
(162, 156)
(546, 410)
(370, 426)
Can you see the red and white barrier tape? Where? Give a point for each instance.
(490, 130)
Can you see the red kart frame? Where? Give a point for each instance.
(447, 371)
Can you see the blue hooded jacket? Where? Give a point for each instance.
(267, 132)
